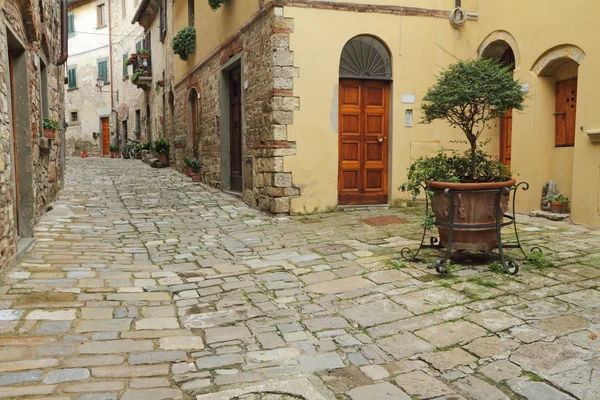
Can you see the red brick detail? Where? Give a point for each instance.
(279, 144)
(283, 93)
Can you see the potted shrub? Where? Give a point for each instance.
(195, 165)
(161, 148)
(557, 202)
(179, 142)
(114, 150)
(143, 53)
(216, 4)
(188, 166)
(184, 42)
(50, 127)
(467, 95)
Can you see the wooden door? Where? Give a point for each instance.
(363, 142)
(566, 112)
(235, 129)
(506, 138)
(105, 136)
(194, 121)
(14, 137)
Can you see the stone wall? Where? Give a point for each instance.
(262, 46)
(38, 32)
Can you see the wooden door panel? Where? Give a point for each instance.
(506, 138)
(105, 136)
(235, 138)
(566, 112)
(363, 127)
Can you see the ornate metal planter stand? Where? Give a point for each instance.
(502, 219)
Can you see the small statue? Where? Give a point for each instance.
(548, 189)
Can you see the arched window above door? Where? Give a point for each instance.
(365, 57)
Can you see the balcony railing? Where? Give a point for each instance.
(142, 70)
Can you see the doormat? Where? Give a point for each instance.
(384, 220)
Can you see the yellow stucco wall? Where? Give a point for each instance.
(212, 27)
(537, 28)
(419, 46)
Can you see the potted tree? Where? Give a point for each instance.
(557, 202)
(50, 127)
(161, 148)
(114, 150)
(467, 95)
(195, 164)
(188, 166)
(184, 42)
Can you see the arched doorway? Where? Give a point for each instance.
(501, 51)
(364, 105)
(192, 140)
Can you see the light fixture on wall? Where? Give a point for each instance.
(100, 83)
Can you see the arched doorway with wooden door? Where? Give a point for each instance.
(192, 137)
(502, 47)
(364, 108)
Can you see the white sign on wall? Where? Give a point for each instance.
(408, 98)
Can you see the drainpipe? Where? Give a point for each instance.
(64, 38)
(458, 3)
(112, 81)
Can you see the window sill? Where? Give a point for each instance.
(76, 123)
(71, 89)
(101, 27)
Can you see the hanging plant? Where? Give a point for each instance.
(184, 43)
(216, 4)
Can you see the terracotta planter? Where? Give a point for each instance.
(143, 56)
(179, 145)
(196, 177)
(557, 206)
(49, 133)
(163, 158)
(188, 171)
(471, 208)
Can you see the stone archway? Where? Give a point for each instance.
(495, 44)
(556, 58)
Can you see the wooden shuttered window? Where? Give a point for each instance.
(72, 77)
(101, 15)
(71, 25)
(163, 20)
(103, 70)
(566, 112)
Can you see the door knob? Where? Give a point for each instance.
(380, 138)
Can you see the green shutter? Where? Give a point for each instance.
(71, 24)
(125, 66)
(72, 78)
(103, 70)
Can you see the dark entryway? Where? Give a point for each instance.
(235, 129)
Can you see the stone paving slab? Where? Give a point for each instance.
(143, 285)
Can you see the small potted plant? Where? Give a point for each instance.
(114, 150)
(557, 202)
(184, 42)
(195, 165)
(187, 166)
(143, 53)
(161, 148)
(179, 142)
(50, 127)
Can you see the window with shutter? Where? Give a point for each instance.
(71, 25)
(103, 71)
(101, 15)
(72, 75)
(163, 20)
(125, 66)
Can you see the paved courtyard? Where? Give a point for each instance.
(142, 285)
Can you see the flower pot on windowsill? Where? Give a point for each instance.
(143, 56)
(179, 145)
(196, 177)
(557, 207)
(49, 133)
(188, 171)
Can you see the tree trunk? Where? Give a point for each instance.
(473, 159)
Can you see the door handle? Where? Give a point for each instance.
(381, 138)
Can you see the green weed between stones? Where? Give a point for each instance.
(537, 259)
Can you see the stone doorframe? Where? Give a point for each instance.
(550, 61)
(224, 123)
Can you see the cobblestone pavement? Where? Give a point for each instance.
(142, 285)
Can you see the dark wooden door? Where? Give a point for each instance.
(14, 137)
(194, 121)
(105, 136)
(363, 142)
(566, 112)
(506, 138)
(235, 129)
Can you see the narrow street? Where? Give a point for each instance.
(142, 285)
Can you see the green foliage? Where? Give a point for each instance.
(113, 148)
(396, 264)
(179, 140)
(483, 282)
(143, 51)
(161, 146)
(496, 267)
(537, 259)
(184, 42)
(146, 146)
(216, 4)
(136, 74)
(138, 147)
(195, 164)
(186, 162)
(559, 198)
(469, 94)
(428, 221)
(451, 166)
(50, 124)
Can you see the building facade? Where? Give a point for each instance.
(304, 106)
(33, 49)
